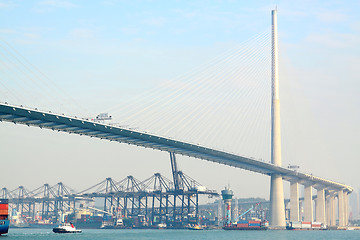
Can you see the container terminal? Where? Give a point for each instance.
(156, 202)
(128, 203)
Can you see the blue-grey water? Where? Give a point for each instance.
(109, 234)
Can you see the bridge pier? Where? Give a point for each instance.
(328, 209)
(277, 207)
(332, 210)
(320, 206)
(294, 201)
(341, 208)
(346, 208)
(308, 204)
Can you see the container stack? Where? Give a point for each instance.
(4, 209)
(243, 224)
(254, 224)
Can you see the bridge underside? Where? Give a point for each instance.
(57, 122)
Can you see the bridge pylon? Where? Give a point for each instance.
(277, 207)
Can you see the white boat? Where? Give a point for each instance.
(66, 228)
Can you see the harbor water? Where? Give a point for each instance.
(142, 234)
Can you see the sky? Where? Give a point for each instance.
(95, 54)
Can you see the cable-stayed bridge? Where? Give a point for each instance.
(327, 190)
(56, 122)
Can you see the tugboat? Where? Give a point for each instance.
(195, 227)
(66, 228)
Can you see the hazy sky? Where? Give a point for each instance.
(100, 51)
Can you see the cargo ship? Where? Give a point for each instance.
(4, 216)
(247, 225)
(254, 224)
(305, 226)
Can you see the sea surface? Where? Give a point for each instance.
(109, 234)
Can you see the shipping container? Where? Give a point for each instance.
(242, 221)
(254, 224)
(4, 206)
(254, 221)
(242, 225)
(4, 212)
(305, 225)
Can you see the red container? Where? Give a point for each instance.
(4, 212)
(306, 222)
(242, 225)
(254, 221)
(4, 206)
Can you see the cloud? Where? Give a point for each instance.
(7, 4)
(82, 33)
(32, 36)
(109, 2)
(331, 17)
(129, 30)
(355, 26)
(58, 4)
(333, 40)
(51, 5)
(156, 22)
(7, 31)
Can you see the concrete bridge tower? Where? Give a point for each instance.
(277, 208)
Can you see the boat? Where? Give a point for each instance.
(18, 222)
(159, 226)
(254, 224)
(195, 227)
(247, 225)
(297, 225)
(4, 216)
(66, 228)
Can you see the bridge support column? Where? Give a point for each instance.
(328, 209)
(308, 202)
(341, 208)
(320, 206)
(346, 204)
(332, 210)
(277, 207)
(294, 201)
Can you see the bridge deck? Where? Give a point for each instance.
(34, 117)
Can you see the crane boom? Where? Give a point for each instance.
(246, 211)
(99, 210)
